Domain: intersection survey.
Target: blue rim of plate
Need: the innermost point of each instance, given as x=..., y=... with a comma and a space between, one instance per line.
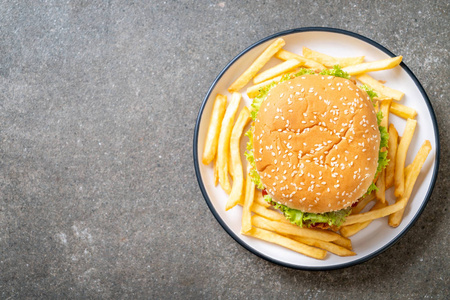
x=331, y=267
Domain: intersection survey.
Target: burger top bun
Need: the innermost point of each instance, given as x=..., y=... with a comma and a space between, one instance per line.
x=316, y=143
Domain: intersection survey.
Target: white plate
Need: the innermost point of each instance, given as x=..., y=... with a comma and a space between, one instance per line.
x=378, y=236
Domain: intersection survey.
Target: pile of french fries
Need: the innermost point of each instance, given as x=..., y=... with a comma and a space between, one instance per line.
x=259, y=219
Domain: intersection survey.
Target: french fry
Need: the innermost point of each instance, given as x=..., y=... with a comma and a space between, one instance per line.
x=286, y=55
x=408, y=169
x=212, y=137
x=235, y=139
x=379, y=88
x=403, y=111
x=257, y=65
x=279, y=69
x=260, y=202
x=392, y=153
x=411, y=177
x=399, y=178
x=230, y=165
x=235, y=158
x=224, y=142
x=375, y=214
x=274, y=238
x=259, y=198
x=363, y=203
x=216, y=172
x=253, y=91
x=381, y=98
x=343, y=242
x=291, y=229
x=330, y=61
x=330, y=247
x=384, y=107
x=350, y=230
x=380, y=194
x=378, y=65
x=268, y=213
x=249, y=196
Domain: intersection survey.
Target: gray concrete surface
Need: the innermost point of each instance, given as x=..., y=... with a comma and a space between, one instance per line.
x=98, y=195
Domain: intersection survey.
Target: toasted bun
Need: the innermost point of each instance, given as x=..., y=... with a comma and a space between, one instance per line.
x=316, y=143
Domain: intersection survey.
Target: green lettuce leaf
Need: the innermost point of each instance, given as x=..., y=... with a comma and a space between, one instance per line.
x=379, y=117
x=304, y=219
x=251, y=159
x=382, y=157
x=383, y=161
x=372, y=94
x=303, y=71
x=336, y=72
x=371, y=188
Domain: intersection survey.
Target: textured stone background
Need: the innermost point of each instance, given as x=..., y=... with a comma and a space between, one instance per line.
x=98, y=195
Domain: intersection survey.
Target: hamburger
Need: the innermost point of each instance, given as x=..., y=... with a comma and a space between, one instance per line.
x=315, y=146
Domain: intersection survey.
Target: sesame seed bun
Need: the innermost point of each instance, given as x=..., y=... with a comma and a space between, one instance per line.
x=316, y=143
